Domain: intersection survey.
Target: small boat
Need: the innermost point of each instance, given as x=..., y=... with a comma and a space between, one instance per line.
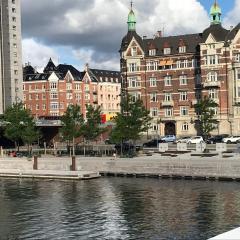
x=231, y=235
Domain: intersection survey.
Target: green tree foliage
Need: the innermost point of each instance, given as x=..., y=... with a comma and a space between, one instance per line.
x=92, y=126
x=133, y=120
x=72, y=122
x=206, y=116
x=20, y=125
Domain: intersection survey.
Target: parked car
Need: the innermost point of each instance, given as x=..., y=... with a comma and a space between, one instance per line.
x=183, y=140
x=196, y=139
x=216, y=139
x=169, y=138
x=152, y=143
x=232, y=139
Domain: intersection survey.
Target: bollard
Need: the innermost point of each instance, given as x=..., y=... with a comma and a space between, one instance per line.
x=35, y=163
x=73, y=168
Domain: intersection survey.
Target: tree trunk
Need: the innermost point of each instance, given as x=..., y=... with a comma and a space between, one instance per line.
x=73, y=147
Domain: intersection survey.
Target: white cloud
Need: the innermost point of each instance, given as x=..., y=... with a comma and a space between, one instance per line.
x=176, y=17
x=37, y=54
x=100, y=25
x=87, y=56
x=233, y=17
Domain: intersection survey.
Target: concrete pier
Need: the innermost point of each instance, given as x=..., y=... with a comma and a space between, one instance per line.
x=182, y=166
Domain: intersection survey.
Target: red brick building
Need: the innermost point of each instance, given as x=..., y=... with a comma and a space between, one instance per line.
x=49, y=93
x=170, y=74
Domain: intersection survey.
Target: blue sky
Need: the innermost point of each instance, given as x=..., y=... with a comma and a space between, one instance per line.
x=78, y=31
x=226, y=5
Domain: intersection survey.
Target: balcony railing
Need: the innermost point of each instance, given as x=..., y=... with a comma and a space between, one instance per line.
x=167, y=104
x=212, y=84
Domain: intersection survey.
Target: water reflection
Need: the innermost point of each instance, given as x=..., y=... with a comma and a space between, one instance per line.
x=117, y=208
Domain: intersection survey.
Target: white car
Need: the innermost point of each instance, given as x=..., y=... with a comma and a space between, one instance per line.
x=196, y=139
x=183, y=140
x=232, y=139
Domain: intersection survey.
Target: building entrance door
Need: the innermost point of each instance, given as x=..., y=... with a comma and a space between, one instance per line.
x=170, y=128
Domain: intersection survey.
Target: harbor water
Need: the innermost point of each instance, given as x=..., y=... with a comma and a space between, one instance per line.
x=117, y=208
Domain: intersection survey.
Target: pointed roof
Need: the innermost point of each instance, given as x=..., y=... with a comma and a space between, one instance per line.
x=218, y=32
x=50, y=67
x=131, y=20
x=128, y=38
x=215, y=13
x=64, y=68
x=215, y=9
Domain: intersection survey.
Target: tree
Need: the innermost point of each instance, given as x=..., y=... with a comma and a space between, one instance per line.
x=19, y=124
x=72, y=122
x=206, y=122
x=133, y=120
x=31, y=134
x=92, y=126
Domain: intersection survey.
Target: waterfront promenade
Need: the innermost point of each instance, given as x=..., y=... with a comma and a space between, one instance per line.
x=174, y=166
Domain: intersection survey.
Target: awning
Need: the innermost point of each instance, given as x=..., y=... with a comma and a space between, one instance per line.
x=170, y=62
x=163, y=63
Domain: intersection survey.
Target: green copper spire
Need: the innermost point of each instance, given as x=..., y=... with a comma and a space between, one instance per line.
x=215, y=13
x=131, y=20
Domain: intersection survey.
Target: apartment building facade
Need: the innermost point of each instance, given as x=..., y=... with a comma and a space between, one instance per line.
x=171, y=74
x=48, y=94
x=10, y=54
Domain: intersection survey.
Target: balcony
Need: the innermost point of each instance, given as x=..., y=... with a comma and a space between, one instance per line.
x=167, y=103
x=212, y=84
x=195, y=101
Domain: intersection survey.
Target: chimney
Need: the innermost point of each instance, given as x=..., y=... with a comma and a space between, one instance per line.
x=159, y=34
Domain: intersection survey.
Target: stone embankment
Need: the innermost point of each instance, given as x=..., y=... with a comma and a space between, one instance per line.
x=186, y=166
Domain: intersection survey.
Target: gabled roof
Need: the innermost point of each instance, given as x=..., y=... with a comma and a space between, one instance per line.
x=64, y=68
x=128, y=38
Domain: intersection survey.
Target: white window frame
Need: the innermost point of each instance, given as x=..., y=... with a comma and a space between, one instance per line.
x=168, y=97
x=153, y=97
x=168, y=112
x=183, y=80
x=133, y=51
x=212, y=76
x=182, y=49
x=167, y=51
x=185, y=127
x=153, y=81
x=168, y=80
x=183, y=96
x=213, y=93
x=184, y=111
x=152, y=52
x=133, y=82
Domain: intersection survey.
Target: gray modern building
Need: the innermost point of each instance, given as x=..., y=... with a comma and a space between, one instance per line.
x=10, y=53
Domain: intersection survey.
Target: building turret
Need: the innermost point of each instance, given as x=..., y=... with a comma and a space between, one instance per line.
x=215, y=13
x=131, y=20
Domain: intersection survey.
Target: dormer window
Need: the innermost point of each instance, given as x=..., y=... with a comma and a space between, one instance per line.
x=134, y=51
x=152, y=52
x=167, y=51
x=182, y=49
